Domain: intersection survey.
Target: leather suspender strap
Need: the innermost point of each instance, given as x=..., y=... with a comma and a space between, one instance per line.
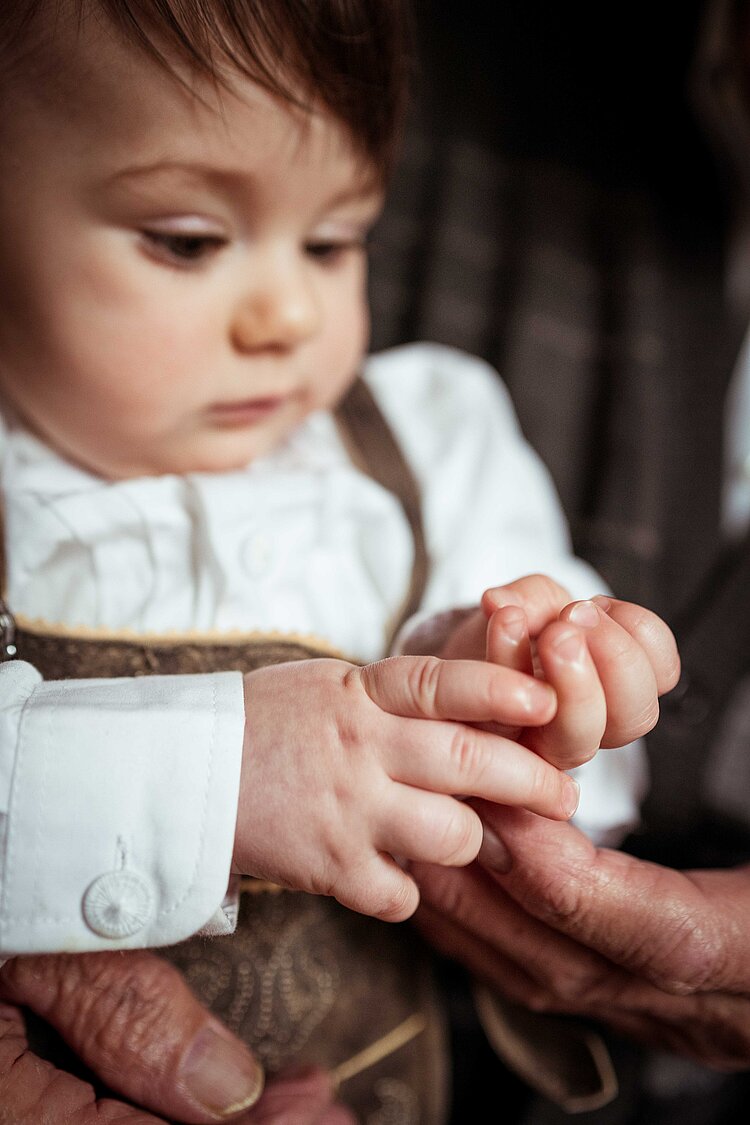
x=373, y=447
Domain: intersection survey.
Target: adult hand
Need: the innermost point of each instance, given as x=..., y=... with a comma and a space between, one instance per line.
x=558, y=925
x=132, y=1019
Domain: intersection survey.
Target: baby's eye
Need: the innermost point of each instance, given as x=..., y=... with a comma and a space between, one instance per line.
x=330, y=252
x=183, y=249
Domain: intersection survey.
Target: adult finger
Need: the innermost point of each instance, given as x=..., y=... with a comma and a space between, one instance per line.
x=135, y=1023
x=652, y=634
x=33, y=1091
x=551, y=971
x=683, y=931
x=425, y=687
x=480, y=959
x=575, y=733
x=625, y=672
x=467, y=919
x=712, y=1028
x=540, y=597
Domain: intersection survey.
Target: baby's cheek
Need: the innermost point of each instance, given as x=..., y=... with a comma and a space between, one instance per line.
x=341, y=359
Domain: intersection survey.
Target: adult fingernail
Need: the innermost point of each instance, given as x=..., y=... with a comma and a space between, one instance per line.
x=570, y=646
x=584, y=614
x=221, y=1074
x=493, y=853
x=604, y=603
x=571, y=796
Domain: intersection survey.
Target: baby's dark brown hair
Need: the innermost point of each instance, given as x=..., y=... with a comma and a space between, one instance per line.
x=349, y=57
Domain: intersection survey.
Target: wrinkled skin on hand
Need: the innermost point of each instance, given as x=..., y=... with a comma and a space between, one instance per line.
x=131, y=1018
x=558, y=925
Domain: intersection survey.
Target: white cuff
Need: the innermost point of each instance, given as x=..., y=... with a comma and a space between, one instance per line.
x=122, y=810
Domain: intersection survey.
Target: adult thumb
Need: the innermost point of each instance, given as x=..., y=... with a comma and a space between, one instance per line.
x=132, y=1019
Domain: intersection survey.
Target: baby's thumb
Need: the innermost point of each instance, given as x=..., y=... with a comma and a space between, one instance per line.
x=132, y=1019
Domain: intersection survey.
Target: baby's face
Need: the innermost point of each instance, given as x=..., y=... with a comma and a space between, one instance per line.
x=181, y=282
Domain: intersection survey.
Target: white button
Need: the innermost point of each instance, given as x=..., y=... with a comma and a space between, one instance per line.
x=117, y=904
x=257, y=555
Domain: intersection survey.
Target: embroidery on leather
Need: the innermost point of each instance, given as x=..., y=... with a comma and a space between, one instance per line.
x=280, y=979
x=398, y=1104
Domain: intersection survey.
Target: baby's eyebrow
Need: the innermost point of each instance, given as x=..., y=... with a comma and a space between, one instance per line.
x=367, y=189
x=177, y=167
x=230, y=183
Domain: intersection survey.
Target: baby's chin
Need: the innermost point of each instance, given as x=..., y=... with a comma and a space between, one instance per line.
x=227, y=456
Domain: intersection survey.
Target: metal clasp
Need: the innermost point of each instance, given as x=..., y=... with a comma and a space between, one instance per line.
x=7, y=633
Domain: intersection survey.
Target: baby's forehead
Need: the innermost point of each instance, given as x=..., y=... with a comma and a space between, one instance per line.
x=85, y=77
x=349, y=57
x=111, y=110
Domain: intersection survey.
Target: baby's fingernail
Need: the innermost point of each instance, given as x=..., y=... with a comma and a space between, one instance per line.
x=604, y=603
x=221, y=1074
x=571, y=797
x=584, y=614
x=493, y=853
x=570, y=646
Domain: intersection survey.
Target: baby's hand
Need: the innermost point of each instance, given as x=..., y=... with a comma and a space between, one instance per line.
x=608, y=661
x=346, y=767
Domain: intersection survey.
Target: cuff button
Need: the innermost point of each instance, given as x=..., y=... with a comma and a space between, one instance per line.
x=117, y=904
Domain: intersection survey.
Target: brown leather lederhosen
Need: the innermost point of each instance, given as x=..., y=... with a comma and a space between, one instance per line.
x=302, y=980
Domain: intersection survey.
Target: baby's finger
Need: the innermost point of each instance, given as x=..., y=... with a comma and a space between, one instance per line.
x=652, y=634
x=508, y=642
x=467, y=691
x=575, y=733
x=430, y=828
x=461, y=760
x=538, y=596
x=625, y=673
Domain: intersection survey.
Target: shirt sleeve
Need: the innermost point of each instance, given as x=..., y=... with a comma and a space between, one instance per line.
x=118, y=803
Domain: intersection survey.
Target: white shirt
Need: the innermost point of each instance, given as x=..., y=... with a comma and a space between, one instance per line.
x=118, y=798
